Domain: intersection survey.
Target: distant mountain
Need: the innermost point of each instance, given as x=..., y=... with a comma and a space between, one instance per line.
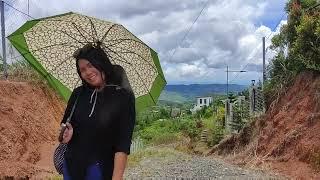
x=172, y=96
x=184, y=93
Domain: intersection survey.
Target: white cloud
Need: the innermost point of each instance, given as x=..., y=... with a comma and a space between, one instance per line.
x=225, y=33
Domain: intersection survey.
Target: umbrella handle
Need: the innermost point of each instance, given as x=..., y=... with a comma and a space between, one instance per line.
x=63, y=128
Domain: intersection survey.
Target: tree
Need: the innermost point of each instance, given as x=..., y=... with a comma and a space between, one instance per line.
x=297, y=47
x=164, y=113
x=240, y=116
x=244, y=93
x=307, y=45
x=232, y=97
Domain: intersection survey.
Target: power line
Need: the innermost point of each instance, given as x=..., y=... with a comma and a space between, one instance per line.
x=19, y=10
x=313, y=7
x=258, y=47
x=186, y=34
x=14, y=19
x=276, y=26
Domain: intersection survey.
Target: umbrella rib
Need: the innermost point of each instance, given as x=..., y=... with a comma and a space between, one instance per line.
x=58, y=65
x=155, y=70
x=141, y=58
x=131, y=52
x=50, y=29
x=75, y=26
x=72, y=24
x=126, y=39
x=122, y=40
x=121, y=58
x=93, y=29
x=29, y=52
x=146, y=89
x=79, y=79
x=72, y=37
x=105, y=35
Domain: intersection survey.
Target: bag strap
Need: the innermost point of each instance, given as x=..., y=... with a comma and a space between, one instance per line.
x=73, y=108
x=63, y=128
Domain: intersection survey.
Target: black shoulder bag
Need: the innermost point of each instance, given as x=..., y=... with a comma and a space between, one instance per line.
x=58, y=157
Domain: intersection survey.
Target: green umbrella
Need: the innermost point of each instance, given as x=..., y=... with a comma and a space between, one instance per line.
x=49, y=43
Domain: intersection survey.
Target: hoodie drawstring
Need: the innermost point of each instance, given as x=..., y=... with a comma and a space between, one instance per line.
x=95, y=92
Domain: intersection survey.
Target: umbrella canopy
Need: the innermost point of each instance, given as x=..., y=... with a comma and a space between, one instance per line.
x=49, y=43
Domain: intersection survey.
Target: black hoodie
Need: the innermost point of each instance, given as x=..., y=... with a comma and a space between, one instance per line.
x=103, y=123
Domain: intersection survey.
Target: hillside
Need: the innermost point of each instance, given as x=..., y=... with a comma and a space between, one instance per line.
x=29, y=125
x=287, y=138
x=171, y=96
x=184, y=93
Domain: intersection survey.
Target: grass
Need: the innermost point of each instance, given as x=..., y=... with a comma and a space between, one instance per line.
x=315, y=161
x=135, y=158
x=55, y=177
x=22, y=71
x=208, y=123
x=166, y=138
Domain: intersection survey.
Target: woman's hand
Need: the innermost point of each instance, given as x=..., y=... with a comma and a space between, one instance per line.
x=67, y=135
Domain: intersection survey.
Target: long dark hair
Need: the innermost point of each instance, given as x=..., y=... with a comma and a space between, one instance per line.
x=98, y=58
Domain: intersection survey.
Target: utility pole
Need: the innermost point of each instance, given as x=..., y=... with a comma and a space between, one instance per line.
x=227, y=82
x=228, y=117
x=5, y=73
x=228, y=78
x=264, y=77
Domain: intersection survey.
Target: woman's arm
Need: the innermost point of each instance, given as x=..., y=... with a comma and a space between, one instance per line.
x=120, y=162
x=123, y=135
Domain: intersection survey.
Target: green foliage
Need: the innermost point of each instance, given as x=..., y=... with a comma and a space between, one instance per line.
x=188, y=112
x=164, y=113
x=168, y=130
x=281, y=73
x=156, y=129
x=240, y=116
x=217, y=135
x=244, y=93
x=307, y=45
x=297, y=47
x=205, y=112
x=190, y=128
x=172, y=97
x=232, y=97
x=218, y=127
x=154, y=126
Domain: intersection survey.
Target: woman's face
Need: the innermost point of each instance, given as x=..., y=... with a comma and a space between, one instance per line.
x=91, y=74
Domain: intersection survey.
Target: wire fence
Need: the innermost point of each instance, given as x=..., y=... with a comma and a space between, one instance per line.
x=136, y=145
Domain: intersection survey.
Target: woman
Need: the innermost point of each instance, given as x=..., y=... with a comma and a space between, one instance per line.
x=100, y=132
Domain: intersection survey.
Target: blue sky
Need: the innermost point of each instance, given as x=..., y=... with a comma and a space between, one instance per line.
x=274, y=11
x=226, y=33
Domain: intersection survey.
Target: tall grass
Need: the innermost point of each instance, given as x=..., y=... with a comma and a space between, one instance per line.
x=22, y=71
